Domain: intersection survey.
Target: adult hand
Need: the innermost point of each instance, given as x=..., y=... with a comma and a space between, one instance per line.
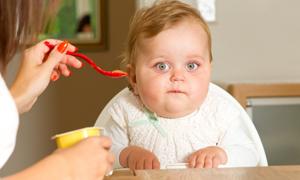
x=38, y=66
x=135, y=157
x=89, y=159
x=209, y=157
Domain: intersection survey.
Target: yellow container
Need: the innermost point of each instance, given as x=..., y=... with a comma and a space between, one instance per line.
x=70, y=138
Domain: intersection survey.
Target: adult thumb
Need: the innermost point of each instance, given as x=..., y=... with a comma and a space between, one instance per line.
x=56, y=55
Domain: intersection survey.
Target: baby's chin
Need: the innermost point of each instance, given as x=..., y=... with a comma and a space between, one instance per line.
x=173, y=108
x=175, y=112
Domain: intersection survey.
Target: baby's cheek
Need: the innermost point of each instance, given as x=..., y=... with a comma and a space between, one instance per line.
x=150, y=98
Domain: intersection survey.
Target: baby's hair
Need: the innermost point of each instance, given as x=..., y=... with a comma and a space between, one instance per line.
x=150, y=21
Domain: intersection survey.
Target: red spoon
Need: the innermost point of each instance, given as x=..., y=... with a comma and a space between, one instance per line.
x=113, y=74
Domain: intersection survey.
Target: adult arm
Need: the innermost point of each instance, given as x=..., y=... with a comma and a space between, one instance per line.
x=89, y=159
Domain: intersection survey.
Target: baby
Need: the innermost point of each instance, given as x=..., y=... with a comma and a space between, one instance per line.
x=172, y=113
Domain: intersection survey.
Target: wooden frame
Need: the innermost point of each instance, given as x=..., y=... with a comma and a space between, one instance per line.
x=102, y=43
x=243, y=91
x=69, y=21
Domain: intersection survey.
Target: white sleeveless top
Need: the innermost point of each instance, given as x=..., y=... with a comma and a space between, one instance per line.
x=217, y=122
x=9, y=122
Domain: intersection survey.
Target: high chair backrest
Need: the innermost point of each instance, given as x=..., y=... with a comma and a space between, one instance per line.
x=104, y=116
x=247, y=123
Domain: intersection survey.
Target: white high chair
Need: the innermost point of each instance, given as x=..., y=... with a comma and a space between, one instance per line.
x=247, y=123
x=104, y=117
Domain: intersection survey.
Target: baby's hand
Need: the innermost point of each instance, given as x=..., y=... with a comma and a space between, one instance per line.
x=135, y=157
x=210, y=157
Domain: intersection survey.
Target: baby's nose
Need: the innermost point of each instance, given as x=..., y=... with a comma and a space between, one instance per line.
x=177, y=75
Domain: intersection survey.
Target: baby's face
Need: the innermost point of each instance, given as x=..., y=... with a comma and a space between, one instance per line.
x=173, y=70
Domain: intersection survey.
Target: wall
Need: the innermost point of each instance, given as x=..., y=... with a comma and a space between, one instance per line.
x=256, y=41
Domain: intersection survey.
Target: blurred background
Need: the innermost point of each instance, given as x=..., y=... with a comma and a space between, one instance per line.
x=253, y=41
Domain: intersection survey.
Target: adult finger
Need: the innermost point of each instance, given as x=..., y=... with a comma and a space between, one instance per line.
x=74, y=62
x=110, y=158
x=56, y=55
x=55, y=75
x=55, y=42
x=64, y=70
x=105, y=142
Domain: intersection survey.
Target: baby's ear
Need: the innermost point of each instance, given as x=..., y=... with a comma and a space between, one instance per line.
x=132, y=78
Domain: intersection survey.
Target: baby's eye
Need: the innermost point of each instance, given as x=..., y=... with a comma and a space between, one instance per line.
x=192, y=66
x=162, y=67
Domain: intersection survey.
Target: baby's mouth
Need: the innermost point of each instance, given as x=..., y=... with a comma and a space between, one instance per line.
x=176, y=91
